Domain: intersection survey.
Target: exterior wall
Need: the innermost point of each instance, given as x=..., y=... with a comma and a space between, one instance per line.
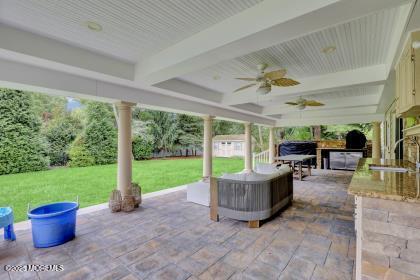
x=222, y=148
x=388, y=237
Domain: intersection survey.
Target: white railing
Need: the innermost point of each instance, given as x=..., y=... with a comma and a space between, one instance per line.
x=262, y=157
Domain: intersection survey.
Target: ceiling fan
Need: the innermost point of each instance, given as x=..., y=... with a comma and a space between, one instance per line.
x=301, y=103
x=266, y=80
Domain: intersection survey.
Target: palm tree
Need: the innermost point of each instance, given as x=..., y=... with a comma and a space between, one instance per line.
x=163, y=127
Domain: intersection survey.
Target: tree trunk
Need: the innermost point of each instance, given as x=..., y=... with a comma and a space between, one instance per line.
x=261, y=144
x=316, y=132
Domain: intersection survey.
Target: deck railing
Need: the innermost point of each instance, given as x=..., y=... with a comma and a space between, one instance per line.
x=262, y=157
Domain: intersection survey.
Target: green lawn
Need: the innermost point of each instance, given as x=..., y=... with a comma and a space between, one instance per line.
x=93, y=184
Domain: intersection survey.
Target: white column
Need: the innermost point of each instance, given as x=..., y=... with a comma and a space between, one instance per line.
x=271, y=146
x=207, y=148
x=376, y=140
x=124, y=148
x=248, y=148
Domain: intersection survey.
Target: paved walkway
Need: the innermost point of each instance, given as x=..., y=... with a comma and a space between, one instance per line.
x=170, y=238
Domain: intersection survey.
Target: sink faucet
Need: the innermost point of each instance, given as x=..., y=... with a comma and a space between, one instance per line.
x=413, y=140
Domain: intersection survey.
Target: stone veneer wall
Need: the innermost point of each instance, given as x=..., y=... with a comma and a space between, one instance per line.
x=410, y=150
x=390, y=239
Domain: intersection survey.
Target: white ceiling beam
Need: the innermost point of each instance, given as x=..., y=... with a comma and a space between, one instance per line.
x=30, y=77
x=266, y=24
x=367, y=76
x=333, y=103
x=250, y=107
x=330, y=120
x=190, y=89
x=19, y=41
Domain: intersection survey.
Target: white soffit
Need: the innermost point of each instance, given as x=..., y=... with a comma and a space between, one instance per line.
x=359, y=43
x=132, y=29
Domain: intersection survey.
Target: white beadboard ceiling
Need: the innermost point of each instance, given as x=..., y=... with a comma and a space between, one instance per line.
x=332, y=96
x=359, y=43
x=132, y=29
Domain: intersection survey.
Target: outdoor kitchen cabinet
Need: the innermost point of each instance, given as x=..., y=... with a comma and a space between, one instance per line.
x=408, y=79
x=345, y=160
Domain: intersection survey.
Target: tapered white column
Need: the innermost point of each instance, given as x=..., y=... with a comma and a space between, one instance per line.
x=124, y=148
x=271, y=146
x=248, y=148
x=376, y=140
x=207, y=148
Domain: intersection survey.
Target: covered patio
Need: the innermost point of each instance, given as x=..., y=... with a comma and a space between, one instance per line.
x=170, y=238
x=270, y=63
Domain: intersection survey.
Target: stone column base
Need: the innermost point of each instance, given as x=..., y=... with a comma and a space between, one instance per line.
x=115, y=200
x=128, y=203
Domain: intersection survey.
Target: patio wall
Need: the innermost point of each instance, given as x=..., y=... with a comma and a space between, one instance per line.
x=390, y=232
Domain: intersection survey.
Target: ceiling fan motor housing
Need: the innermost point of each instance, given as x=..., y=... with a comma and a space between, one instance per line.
x=301, y=106
x=264, y=88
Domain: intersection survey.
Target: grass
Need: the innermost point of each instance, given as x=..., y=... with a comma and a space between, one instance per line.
x=93, y=184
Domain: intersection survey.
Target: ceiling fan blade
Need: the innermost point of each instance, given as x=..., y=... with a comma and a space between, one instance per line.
x=284, y=82
x=246, y=79
x=313, y=103
x=244, y=87
x=275, y=75
x=291, y=103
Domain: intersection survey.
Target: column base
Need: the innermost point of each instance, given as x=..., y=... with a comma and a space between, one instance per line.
x=128, y=203
x=115, y=201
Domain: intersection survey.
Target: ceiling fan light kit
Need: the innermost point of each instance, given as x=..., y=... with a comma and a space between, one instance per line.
x=264, y=88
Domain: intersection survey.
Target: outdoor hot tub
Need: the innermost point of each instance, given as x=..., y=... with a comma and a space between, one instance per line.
x=53, y=224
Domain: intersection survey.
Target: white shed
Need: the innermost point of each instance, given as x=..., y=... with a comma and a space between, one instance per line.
x=230, y=145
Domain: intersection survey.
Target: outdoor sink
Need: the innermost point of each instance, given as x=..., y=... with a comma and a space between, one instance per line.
x=388, y=168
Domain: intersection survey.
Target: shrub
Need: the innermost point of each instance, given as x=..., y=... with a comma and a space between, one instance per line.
x=22, y=148
x=142, y=147
x=60, y=133
x=100, y=135
x=79, y=154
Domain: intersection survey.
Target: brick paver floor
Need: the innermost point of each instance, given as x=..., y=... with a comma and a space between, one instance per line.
x=170, y=238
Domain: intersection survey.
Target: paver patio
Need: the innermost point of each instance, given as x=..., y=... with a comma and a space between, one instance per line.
x=170, y=238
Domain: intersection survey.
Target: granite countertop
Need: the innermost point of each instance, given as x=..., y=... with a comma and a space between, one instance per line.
x=339, y=148
x=385, y=184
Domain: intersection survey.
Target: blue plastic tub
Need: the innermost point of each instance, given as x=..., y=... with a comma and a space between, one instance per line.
x=53, y=224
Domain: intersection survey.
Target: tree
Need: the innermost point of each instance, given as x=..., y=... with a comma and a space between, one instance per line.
x=142, y=147
x=340, y=131
x=60, y=133
x=190, y=132
x=100, y=135
x=297, y=133
x=22, y=148
x=222, y=127
x=79, y=154
x=47, y=106
x=163, y=127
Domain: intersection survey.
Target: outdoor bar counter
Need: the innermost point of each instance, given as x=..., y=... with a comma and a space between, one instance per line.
x=387, y=220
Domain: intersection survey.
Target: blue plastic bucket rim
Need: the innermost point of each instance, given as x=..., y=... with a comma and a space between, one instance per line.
x=35, y=216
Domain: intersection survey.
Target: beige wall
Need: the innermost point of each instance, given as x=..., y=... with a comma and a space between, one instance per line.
x=225, y=150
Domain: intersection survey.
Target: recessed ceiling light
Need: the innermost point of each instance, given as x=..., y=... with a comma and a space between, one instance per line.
x=94, y=26
x=329, y=49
